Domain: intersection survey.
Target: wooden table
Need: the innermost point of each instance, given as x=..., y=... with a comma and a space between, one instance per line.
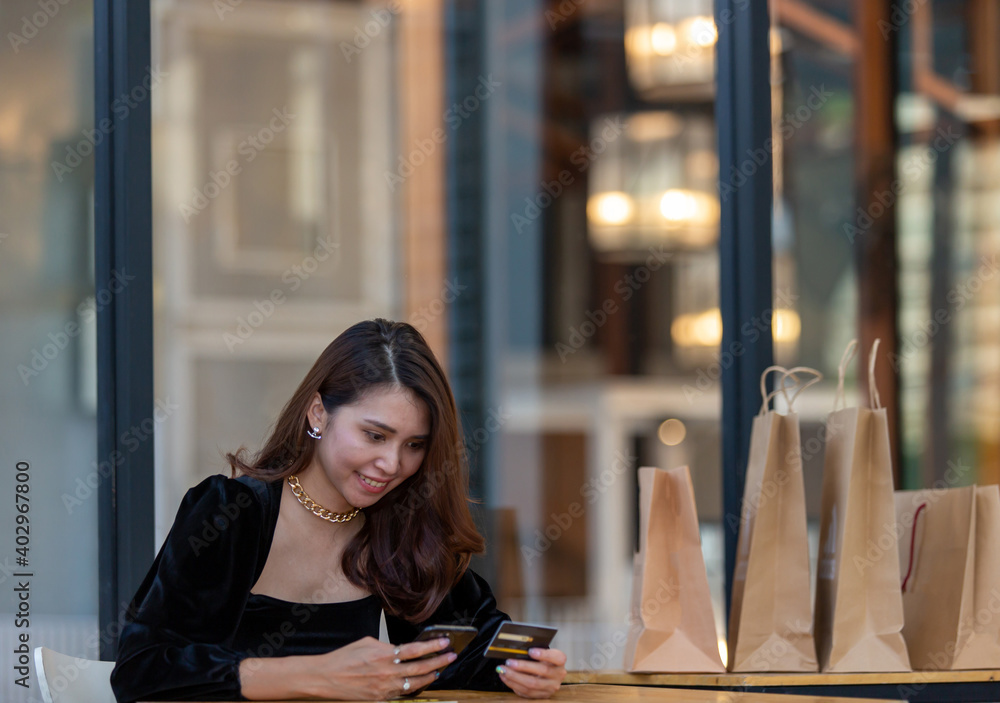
x=922, y=686
x=596, y=693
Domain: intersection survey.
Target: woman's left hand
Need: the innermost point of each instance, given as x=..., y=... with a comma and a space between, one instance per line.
x=535, y=679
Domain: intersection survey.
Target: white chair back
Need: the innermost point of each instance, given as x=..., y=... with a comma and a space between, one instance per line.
x=66, y=679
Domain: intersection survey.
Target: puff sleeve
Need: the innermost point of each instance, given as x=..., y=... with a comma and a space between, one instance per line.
x=176, y=639
x=470, y=602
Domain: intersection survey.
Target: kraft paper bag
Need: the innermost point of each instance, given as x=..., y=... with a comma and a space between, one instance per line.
x=672, y=626
x=950, y=551
x=770, y=619
x=859, y=609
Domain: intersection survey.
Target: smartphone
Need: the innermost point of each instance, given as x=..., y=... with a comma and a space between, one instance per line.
x=513, y=640
x=458, y=635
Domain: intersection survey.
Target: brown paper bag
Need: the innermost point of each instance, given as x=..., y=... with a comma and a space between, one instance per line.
x=950, y=549
x=770, y=619
x=859, y=609
x=672, y=627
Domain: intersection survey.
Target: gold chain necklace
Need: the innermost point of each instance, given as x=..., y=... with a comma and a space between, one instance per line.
x=314, y=507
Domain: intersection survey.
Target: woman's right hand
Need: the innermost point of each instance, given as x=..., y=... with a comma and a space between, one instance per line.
x=372, y=670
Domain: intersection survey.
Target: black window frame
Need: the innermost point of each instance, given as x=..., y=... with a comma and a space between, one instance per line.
x=743, y=124
x=123, y=244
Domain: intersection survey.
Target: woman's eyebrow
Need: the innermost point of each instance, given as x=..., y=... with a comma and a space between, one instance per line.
x=391, y=430
x=380, y=425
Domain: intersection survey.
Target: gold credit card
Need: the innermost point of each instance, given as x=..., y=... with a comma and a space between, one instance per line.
x=513, y=640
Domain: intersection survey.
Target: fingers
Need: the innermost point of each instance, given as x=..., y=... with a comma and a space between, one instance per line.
x=427, y=666
x=535, y=679
x=528, y=667
x=552, y=656
x=527, y=685
x=417, y=683
x=540, y=669
x=419, y=649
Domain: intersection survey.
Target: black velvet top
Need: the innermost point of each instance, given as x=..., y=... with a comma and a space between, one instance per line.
x=194, y=619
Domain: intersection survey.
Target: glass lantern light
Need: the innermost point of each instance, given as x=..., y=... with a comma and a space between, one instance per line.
x=670, y=48
x=654, y=186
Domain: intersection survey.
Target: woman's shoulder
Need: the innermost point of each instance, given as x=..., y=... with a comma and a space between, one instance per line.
x=224, y=501
x=242, y=491
x=221, y=515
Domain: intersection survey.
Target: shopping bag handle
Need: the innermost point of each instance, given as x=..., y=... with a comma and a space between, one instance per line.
x=913, y=542
x=849, y=353
x=817, y=376
x=780, y=389
x=798, y=384
x=873, y=398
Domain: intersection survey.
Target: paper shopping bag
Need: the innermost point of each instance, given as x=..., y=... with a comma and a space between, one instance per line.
x=672, y=627
x=859, y=609
x=950, y=550
x=770, y=619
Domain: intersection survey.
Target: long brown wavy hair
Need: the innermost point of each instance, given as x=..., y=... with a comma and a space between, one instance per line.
x=417, y=540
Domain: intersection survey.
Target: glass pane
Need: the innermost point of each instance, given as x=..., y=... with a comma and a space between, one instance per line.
x=534, y=187
x=604, y=216
x=943, y=198
x=47, y=339
x=814, y=275
x=535, y=191
x=273, y=225
x=946, y=116
x=948, y=220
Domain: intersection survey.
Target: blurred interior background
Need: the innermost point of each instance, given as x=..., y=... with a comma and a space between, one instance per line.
x=535, y=186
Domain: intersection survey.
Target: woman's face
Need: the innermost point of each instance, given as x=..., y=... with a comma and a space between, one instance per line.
x=368, y=448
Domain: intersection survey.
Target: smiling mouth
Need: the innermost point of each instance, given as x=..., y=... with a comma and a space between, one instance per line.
x=373, y=483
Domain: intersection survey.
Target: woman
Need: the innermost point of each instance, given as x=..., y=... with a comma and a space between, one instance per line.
x=271, y=585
